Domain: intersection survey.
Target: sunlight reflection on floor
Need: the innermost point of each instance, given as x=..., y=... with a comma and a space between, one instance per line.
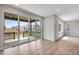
x=65, y=38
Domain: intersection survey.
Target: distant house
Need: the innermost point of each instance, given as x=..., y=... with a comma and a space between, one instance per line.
x=10, y=30
x=16, y=29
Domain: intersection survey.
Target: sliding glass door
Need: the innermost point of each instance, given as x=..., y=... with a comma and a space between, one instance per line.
x=35, y=29
x=19, y=30
x=11, y=30
x=24, y=24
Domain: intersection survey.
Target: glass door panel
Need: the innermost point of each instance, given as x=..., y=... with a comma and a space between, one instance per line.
x=32, y=30
x=38, y=29
x=11, y=30
x=23, y=29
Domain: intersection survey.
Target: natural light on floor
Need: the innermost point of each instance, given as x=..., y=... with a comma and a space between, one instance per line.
x=65, y=38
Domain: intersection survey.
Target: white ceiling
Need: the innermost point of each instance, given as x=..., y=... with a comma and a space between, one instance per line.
x=66, y=12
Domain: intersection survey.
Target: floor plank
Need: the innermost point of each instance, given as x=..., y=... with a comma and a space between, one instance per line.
x=64, y=46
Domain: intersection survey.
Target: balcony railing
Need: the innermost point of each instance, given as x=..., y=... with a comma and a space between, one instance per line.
x=14, y=35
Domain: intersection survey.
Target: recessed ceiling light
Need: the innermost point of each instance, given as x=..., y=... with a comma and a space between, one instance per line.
x=17, y=4
x=57, y=10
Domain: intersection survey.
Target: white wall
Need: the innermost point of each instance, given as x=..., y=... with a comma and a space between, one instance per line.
x=1, y=30
x=56, y=28
x=48, y=28
x=51, y=28
x=74, y=28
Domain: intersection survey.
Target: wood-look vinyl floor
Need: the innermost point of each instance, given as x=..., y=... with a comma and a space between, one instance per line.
x=64, y=46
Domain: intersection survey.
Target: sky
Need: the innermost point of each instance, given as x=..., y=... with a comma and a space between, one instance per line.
x=12, y=23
